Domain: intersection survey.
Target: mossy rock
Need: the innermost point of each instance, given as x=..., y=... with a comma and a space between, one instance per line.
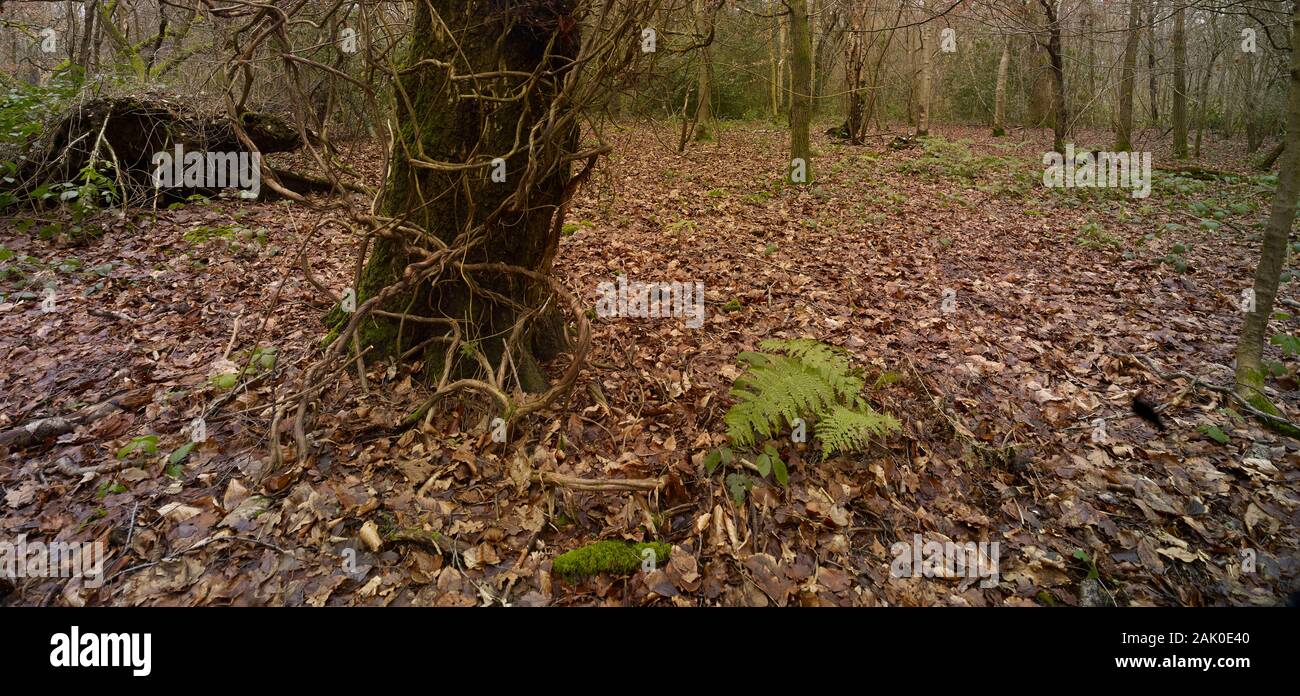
x=614, y=557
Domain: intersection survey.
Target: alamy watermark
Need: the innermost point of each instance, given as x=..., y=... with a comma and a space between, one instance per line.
x=946, y=559
x=77, y=649
x=1130, y=170
x=56, y=559
x=646, y=300
x=212, y=170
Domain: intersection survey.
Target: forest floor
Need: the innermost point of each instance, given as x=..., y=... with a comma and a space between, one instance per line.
x=1005, y=318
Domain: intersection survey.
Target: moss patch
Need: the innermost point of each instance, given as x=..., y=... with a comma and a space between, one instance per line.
x=615, y=557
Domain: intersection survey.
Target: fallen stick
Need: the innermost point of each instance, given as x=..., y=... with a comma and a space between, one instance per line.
x=438, y=542
x=582, y=484
x=54, y=426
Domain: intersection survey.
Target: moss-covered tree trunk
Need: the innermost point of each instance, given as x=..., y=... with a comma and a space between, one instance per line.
x=458, y=101
x=1250, y=345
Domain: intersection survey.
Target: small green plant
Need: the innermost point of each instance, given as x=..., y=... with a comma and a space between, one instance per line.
x=146, y=444
x=206, y=233
x=682, y=227
x=108, y=488
x=1214, y=433
x=1093, y=236
x=1289, y=344
x=944, y=159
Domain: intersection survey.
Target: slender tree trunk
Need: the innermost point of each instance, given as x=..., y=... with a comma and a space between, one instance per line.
x=1180, y=83
x=1265, y=163
x=800, y=92
x=1124, y=120
x=1091, y=28
x=1060, y=128
x=782, y=91
x=1000, y=91
x=1203, y=99
x=703, y=96
x=1039, y=108
x=774, y=86
x=812, y=64
x=1153, y=77
x=1254, y=136
x=1250, y=345
x=923, y=88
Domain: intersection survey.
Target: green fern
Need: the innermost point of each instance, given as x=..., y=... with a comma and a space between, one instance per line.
x=845, y=430
x=808, y=380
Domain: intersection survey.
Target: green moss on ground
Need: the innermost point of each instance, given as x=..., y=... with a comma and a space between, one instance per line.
x=614, y=557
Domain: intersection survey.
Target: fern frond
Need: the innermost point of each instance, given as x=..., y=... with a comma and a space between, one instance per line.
x=841, y=429
x=829, y=362
x=802, y=379
x=772, y=395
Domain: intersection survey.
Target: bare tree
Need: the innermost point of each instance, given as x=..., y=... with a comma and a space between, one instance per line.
x=1250, y=344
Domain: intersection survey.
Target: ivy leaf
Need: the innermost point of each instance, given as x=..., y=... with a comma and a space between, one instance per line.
x=1214, y=433
x=739, y=485
x=782, y=475
x=146, y=443
x=712, y=460
x=181, y=453
x=226, y=380
x=1289, y=344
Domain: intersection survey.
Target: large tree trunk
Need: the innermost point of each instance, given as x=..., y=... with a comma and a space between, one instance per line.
x=1124, y=120
x=1180, y=84
x=514, y=222
x=1250, y=345
x=800, y=92
x=1000, y=92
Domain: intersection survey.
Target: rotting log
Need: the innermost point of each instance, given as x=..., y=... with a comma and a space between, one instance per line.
x=119, y=137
